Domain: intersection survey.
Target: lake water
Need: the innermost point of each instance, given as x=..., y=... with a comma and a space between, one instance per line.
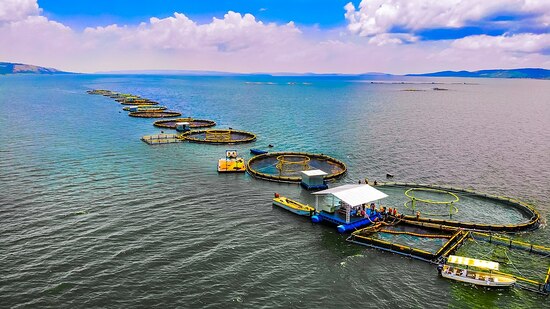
x=90, y=216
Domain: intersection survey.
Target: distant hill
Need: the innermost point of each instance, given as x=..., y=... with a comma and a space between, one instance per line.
x=21, y=68
x=511, y=73
x=171, y=72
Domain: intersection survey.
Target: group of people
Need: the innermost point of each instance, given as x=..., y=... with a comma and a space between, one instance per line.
x=367, y=182
x=366, y=209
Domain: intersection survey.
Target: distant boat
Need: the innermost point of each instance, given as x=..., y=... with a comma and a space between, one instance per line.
x=482, y=277
x=257, y=151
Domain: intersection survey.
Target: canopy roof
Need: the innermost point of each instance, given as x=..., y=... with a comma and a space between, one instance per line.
x=354, y=194
x=454, y=259
x=314, y=173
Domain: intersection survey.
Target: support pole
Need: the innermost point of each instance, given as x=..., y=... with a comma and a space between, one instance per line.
x=546, y=287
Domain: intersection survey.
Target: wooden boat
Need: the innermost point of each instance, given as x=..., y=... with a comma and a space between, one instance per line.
x=478, y=272
x=231, y=163
x=293, y=206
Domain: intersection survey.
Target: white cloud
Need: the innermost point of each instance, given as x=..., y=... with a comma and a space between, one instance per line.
x=232, y=33
x=392, y=38
x=242, y=43
x=381, y=16
x=525, y=42
x=13, y=10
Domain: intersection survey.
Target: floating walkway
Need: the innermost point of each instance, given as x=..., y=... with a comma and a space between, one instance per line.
x=367, y=237
x=159, y=139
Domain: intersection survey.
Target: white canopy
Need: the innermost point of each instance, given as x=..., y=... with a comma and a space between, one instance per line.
x=355, y=194
x=314, y=173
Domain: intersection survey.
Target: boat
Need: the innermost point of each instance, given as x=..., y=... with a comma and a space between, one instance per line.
x=293, y=206
x=257, y=151
x=478, y=272
x=231, y=163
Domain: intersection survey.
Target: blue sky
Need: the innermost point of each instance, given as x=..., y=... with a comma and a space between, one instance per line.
x=394, y=36
x=325, y=13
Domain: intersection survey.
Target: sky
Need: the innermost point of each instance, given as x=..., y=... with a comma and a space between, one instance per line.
x=322, y=36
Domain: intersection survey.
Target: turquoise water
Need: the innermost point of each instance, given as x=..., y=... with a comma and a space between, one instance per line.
x=90, y=216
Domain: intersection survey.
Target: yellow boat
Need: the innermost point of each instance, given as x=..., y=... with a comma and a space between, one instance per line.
x=231, y=163
x=293, y=206
x=478, y=272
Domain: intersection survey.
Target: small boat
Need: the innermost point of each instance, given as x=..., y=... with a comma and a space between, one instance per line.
x=478, y=272
x=231, y=163
x=293, y=206
x=257, y=151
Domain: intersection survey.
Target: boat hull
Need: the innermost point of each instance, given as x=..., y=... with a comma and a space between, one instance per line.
x=478, y=278
x=293, y=206
x=257, y=151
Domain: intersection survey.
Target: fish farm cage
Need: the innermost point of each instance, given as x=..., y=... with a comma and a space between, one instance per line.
x=433, y=243
x=154, y=114
x=219, y=136
x=193, y=123
x=287, y=166
x=138, y=102
x=461, y=208
x=145, y=108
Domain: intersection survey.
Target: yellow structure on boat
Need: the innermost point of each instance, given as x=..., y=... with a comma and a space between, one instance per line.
x=231, y=163
x=293, y=206
x=478, y=272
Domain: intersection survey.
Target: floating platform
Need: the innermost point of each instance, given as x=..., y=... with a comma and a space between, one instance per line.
x=231, y=163
x=287, y=166
x=193, y=123
x=152, y=114
x=342, y=224
x=219, y=136
x=158, y=139
x=232, y=166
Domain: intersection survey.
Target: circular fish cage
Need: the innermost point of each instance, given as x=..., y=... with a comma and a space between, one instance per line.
x=138, y=102
x=286, y=166
x=193, y=123
x=152, y=114
x=424, y=203
x=478, y=211
x=146, y=108
x=219, y=136
x=100, y=92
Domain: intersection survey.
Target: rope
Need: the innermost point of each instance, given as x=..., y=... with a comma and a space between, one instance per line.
x=519, y=272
